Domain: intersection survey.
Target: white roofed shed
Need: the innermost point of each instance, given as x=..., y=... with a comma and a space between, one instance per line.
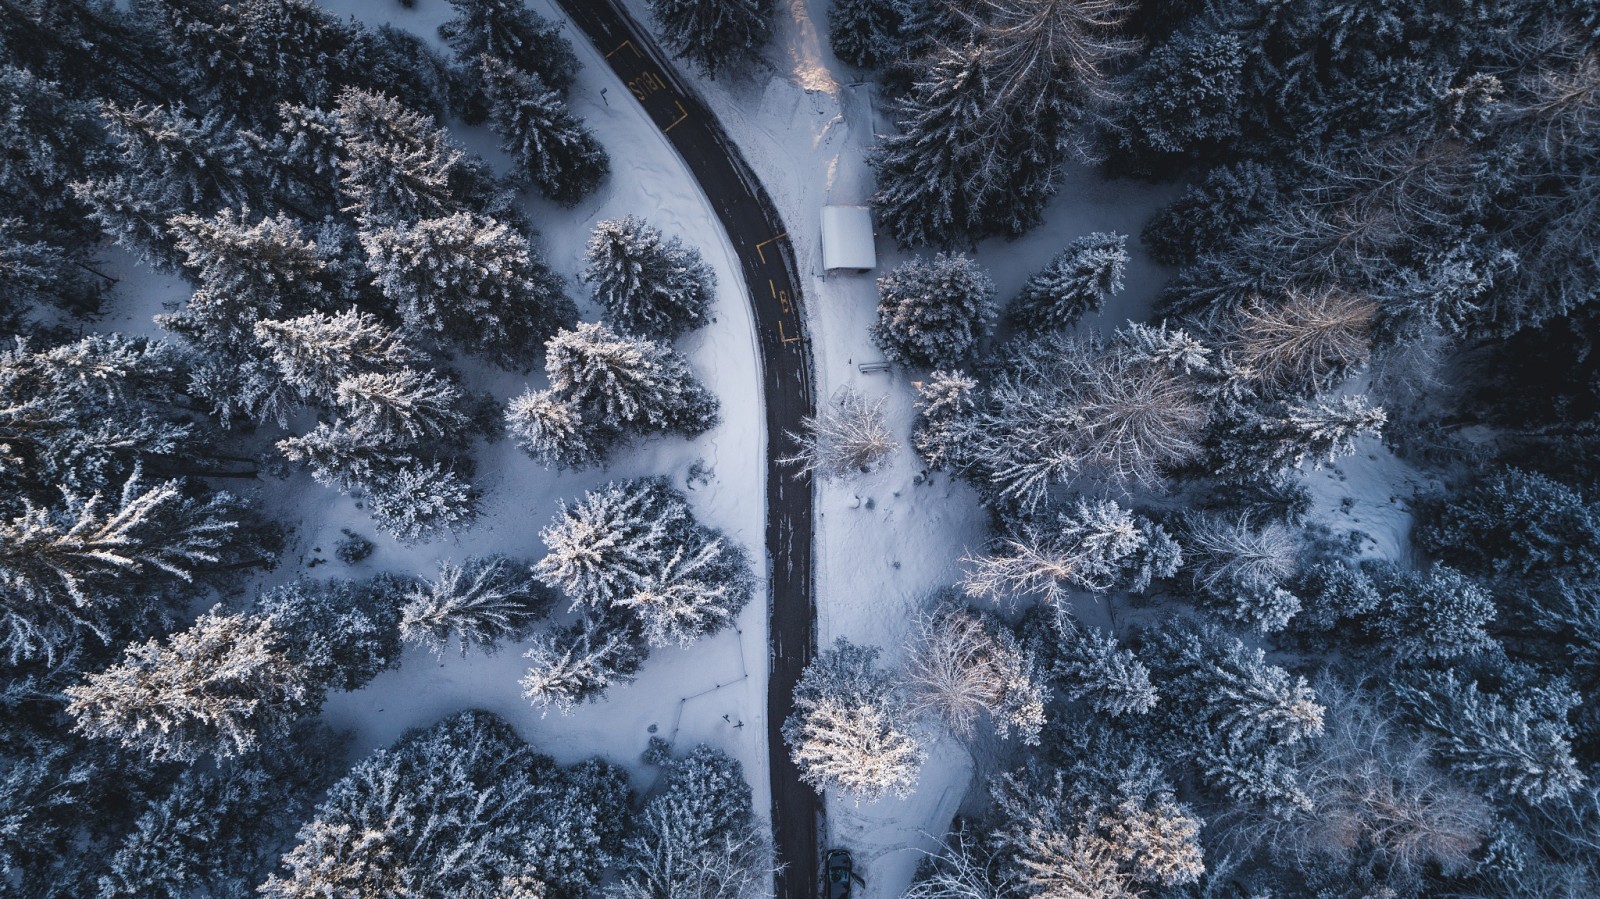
x=847, y=239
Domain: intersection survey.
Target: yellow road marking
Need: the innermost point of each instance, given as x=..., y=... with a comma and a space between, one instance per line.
x=783, y=338
x=774, y=288
x=764, y=243
x=679, y=120
x=629, y=44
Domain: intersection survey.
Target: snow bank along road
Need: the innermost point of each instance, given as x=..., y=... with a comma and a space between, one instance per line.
x=765, y=255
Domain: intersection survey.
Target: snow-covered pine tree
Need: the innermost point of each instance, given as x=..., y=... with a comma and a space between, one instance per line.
x=849, y=436
x=647, y=284
x=479, y=604
x=1438, y=615
x=1077, y=281
x=1510, y=523
x=698, y=836
x=630, y=383
x=1186, y=95
x=168, y=164
x=1273, y=440
x=66, y=569
x=471, y=280
x=578, y=663
x=510, y=32
x=965, y=666
x=605, y=546
x=1519, y=747
x=849, y=731
x=422, y=500
x=553, y=431
x=318, y=351
x=1093, y=545
x=1088, y=665
x=865, y=32
x=958, y=170
x=342, y=459
x=946, y=403
x=49, y=140
x=214, y=689
x=1215, y=681
x=552, y=147
x=39, y=273
x=342, y=632
x=700, y=582
x=1242, y=568
x=933, y=312
x=401, y=406
x=714, y=33
x=396, y=165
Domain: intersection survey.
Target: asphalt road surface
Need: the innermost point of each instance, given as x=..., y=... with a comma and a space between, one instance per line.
x=767, y=259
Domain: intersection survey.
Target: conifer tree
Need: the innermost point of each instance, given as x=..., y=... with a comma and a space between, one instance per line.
x=865, y=32
x=946, y=403
x=1216, y=681
x=396, y=165
x=216, y=688
x=1089, y=665
x=578, y=663
x=713, y=33
x=1271, y=441
x=511, y=33
x=471, y=280
x=555, y=150
x=553, y=431
x=932, y=313
x=628, y=384
x=1432, y=616
x=1079, y=280
x=403, y=405
x=423, y=500
x=342, y=632
x=49, y=141
x=479, y=603
x=647, y=284
x=1091, y=545
x=318, y=351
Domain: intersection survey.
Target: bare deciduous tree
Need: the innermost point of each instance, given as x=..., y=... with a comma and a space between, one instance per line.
x=963, y=668
x=1306, y=340
x=849, y=437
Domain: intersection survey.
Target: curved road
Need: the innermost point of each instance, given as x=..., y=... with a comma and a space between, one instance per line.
x=759, y=238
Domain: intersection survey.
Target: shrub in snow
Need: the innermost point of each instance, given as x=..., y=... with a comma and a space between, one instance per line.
x=635, y=548
x=965, y=666
x=848, y=437
x=551, y=146
x=713, y=33
x=353, y=548
x=933, y=312
x=214, y=689
x=850, y=730
x=578, y=663
x=1078, y=280
x=479, y=604
x=698, y=837
x=464, y=808
x=647, y=284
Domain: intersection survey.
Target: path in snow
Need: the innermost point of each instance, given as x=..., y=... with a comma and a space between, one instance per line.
x=762, y=245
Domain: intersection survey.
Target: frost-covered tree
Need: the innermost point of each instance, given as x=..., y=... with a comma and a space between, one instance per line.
x=649, y=285
x=422, y=501
x=318, y=351
x=714, y=33
x=214, y=689
x=847, y=437
x=511, y=33
x=342, y=632
x=865, y=32
x=578, y=663
x=1124, y=412
x=1214, y=680
x=636, y=547
x=698, y=838
x=1077, y=281
x=1088, y=664
x=946, y=404
x=965, y=666
x=1431, y=616
x=933, y=312
x=1304, y=343
x=1230, y=198
x=395, y=164
x=1514, y=523
x=967, y=865
x=464, y=808
x=604, y=386
x=403, y=405
x=1186, y=96
x=1242, y=567
x=1091, y=545
x=341, y=459
x=50, y=140
x=551, y=146
x=469, y=279
x=849, y=731
x=552, y=430
x=480, y=604
x=67, y=571
x=959, y=169
x=1272, y=441
x=1517, y=747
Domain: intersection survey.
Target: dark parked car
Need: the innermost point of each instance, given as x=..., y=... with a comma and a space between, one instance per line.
x=838, y=874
